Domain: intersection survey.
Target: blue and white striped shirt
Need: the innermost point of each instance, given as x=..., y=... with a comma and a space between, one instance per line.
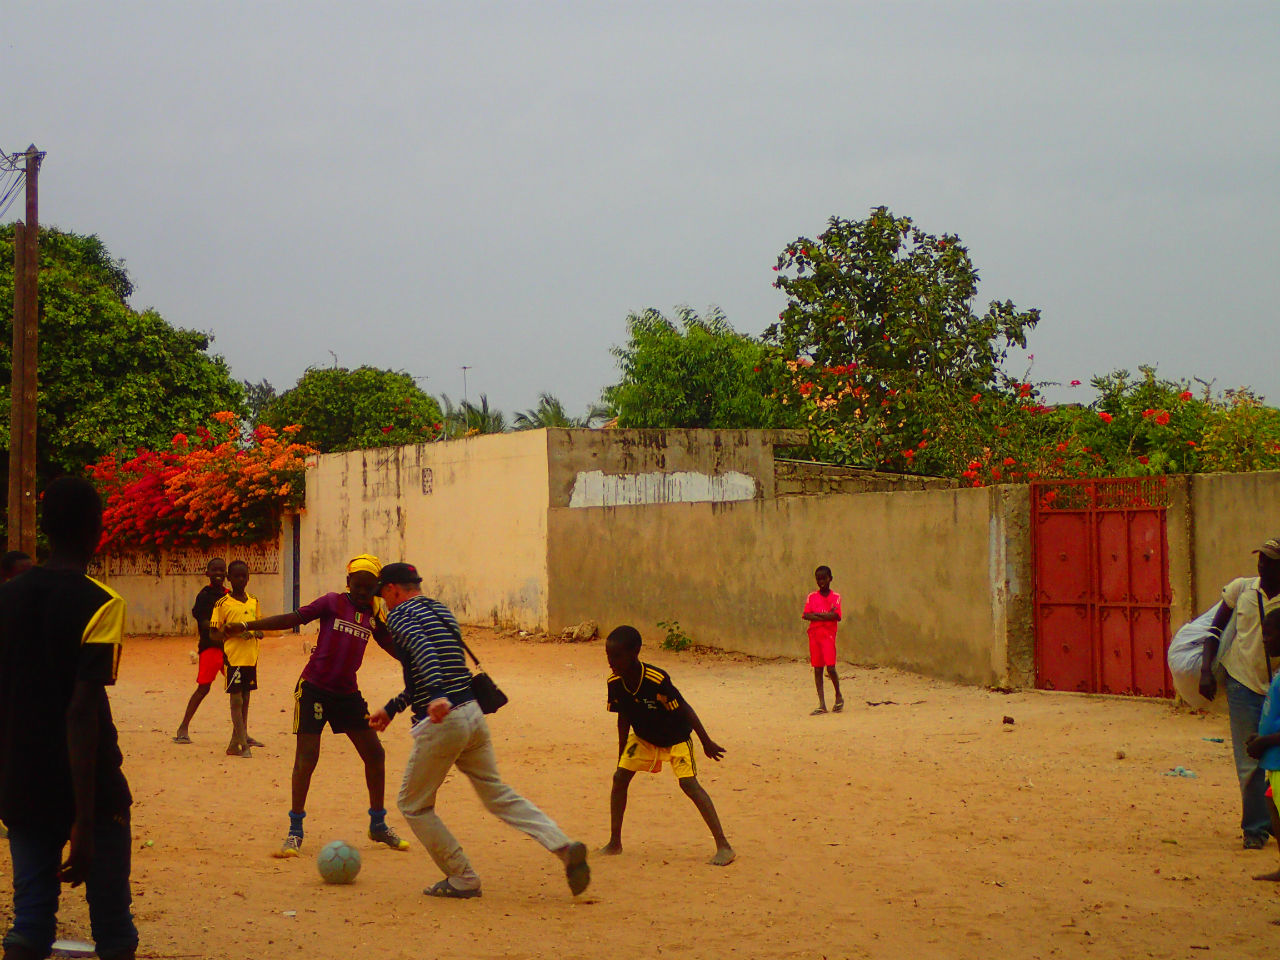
x=428, y=642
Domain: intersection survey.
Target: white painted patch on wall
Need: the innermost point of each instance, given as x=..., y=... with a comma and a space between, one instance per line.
x=593, y=488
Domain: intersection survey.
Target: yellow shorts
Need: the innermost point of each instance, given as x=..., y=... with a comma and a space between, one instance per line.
x=1273, y=779
x=644, y=757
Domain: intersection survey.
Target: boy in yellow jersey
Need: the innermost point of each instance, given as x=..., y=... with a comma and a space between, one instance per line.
x=241, y=650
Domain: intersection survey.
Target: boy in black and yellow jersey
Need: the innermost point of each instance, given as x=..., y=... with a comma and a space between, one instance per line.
x=60, y=762
x=654, y=726
x=241, y=651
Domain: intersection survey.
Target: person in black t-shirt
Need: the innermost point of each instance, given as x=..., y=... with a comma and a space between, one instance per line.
x=60, y=763
x=209, y=649
x=654, y=726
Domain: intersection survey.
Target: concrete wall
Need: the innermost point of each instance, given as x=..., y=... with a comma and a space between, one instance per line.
x=802, y=478
x=660, y=466
x=1233, y=513
x=932, y=581
x=472, y=514
x=159, y=587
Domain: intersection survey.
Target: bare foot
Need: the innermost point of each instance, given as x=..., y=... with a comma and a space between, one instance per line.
x=724, y=856
x=611, y=849
x=234, y=751
x=1273, y=877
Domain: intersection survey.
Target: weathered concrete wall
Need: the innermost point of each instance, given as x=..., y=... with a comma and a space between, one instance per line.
x=802, y=478
x=1180, y=536
x=931, y=581
x=159, y=587
x=1233, y=514
x=591, y=468
x=472, y=514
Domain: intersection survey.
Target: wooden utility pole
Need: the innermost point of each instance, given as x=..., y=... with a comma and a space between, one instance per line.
x=26, y=355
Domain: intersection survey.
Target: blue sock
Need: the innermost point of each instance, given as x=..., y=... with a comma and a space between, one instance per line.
x=377, y=820
x=295, y=823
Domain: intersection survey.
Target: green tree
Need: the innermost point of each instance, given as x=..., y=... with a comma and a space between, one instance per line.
x=110, y=377
x=879, y=337
x=699, y=373
x=468, y=419
x=257, y=397
x=340, y=409
x=549, y=412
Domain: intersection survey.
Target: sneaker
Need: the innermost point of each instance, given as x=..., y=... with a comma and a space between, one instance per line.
x=1254, y=842
x=388, y=836
x=291, y=847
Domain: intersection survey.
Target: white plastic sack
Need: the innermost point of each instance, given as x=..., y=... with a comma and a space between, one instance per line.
x=1186, y=655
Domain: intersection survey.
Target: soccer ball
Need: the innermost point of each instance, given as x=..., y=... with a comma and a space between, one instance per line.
x=339, y=862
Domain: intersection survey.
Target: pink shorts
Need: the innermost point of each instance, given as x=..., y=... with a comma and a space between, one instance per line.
x=210, y=665
x=822, y=651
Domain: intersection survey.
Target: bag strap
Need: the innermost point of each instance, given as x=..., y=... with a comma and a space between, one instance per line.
x=1262, y=613
x=456, y=631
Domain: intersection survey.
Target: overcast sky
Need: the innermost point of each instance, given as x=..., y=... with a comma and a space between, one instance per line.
x=424, y=186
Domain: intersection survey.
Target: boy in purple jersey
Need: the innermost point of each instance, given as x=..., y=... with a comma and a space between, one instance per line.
x=327, y=692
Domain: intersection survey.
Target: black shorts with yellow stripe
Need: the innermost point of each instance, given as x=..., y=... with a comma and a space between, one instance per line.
x=314, y=706
x=241, y=679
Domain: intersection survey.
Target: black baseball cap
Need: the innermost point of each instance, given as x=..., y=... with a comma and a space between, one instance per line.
x=398, y=573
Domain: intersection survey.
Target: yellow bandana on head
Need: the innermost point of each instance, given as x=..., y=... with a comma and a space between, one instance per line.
x=366, y=562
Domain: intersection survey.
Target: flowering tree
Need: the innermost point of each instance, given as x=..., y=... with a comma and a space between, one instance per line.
x=879, y=340
x=217, y=486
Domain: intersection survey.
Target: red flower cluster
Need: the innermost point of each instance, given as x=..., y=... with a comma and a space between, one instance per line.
x=222, y=488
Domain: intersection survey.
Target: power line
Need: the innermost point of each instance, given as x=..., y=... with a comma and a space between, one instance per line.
x=11, y=192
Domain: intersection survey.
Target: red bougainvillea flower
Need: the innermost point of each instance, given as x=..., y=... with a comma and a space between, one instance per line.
x=1024, y=389
x=1104, y=416
x=1075, y=383
x=386, y=429
x=995, y=473
x=1191, y=443
x=806, y=389
x=922, y=444
x=1009, y=461
x=755, y=369
x=1185, y=395
x=1143, y=460
x=976, y=398
x=179, y=439
x=1162, y=417
x=1061, y=448
x=1148, y=413
x=908, y=454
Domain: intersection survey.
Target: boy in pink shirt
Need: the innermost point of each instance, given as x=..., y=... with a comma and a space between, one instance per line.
x=822, y=610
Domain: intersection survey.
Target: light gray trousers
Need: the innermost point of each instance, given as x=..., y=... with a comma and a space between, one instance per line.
x=462, y=740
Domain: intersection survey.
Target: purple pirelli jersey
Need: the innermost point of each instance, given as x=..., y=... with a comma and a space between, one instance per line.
x=344, y=633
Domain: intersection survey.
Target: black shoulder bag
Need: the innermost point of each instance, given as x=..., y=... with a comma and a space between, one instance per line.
x=486, y=692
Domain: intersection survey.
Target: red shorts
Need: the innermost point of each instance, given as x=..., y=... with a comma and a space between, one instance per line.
x=822, y=651
x=210, y=665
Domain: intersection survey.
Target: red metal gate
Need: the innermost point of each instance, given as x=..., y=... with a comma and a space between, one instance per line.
x=1101, y=585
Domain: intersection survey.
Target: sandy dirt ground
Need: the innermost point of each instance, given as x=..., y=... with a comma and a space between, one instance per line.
x=925, y=826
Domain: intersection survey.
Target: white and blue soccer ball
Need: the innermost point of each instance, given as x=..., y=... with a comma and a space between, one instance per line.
x=339, y=862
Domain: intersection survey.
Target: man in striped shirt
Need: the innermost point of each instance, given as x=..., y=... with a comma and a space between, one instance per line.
x=449, y=730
